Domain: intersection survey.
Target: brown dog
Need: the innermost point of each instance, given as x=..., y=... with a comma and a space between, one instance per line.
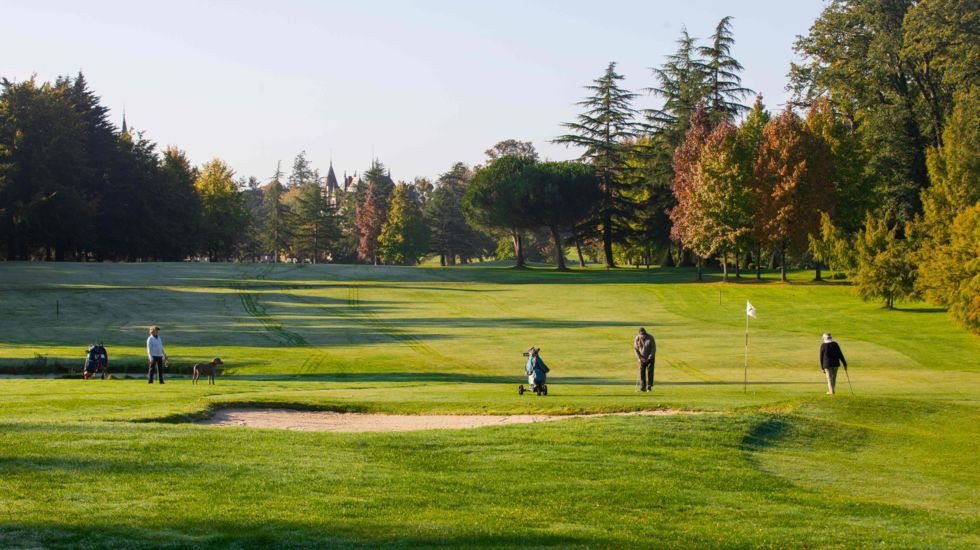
x=206, y=368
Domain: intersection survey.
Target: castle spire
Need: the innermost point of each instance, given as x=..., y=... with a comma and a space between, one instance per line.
x=124, y=129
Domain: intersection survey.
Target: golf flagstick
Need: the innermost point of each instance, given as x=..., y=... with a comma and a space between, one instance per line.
x=749, y=310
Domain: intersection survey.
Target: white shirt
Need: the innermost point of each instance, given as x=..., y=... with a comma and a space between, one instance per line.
x=154, y=347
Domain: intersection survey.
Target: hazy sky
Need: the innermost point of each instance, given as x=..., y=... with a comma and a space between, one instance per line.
x=418, y=84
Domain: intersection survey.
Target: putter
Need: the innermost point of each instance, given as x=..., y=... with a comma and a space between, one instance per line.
x=848, y=380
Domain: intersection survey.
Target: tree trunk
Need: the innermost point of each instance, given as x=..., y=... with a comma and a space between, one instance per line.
x=607, y=249
x=758, y=261
x=578, y=249
x=782, y=261
x=700, y=277
x=738, y=266
x=559, y=253
x=724, y=266
x=518, y=249
x=442, y=259
x=817, y=265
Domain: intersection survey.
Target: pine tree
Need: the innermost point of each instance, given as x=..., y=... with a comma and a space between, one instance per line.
x=606, y=130
x=498, y=198
x=562, y=193
x=314, y=226
x=722, y=84
x=450, y=233
x=681, y=83
x=276, y=219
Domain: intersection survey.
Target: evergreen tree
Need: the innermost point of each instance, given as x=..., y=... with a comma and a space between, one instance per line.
x=885, y=267
x=681, y=83
x=276, y=220
x=562, y=194
x=404, y=238
x=498, y=198
x=606, y=130
x=315, y=226
x=722, y=84
x=450, y=233
x=42, y=210
x=179, y=206
x=302, y=171
x=947, y=272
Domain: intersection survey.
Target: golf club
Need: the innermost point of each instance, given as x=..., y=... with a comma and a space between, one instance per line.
x=848, y=380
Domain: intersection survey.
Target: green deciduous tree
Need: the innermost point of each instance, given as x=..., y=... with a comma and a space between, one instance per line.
x=404, y=238
x=791, y=184
x=225, y=212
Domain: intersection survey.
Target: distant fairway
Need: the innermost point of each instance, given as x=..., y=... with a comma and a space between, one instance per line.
x=784, y=465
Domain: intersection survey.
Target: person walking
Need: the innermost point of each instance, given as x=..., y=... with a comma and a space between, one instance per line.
x=645, y=348
x=154, y=350
x=831, y=358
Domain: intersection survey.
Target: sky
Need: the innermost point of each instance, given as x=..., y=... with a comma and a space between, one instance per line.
x=419, y=85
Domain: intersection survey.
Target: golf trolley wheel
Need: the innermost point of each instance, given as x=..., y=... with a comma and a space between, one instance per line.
x=520, y=389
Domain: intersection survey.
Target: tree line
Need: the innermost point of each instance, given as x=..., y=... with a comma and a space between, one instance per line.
x=869, y=172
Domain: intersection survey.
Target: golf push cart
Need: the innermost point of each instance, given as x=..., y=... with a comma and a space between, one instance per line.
x=537, y=373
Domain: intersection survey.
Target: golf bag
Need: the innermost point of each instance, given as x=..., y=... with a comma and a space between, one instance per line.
x=96, y=362
x=537, y=375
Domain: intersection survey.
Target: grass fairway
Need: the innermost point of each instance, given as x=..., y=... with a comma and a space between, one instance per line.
x=116, y=463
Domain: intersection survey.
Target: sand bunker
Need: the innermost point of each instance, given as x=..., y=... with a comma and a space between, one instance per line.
x=323, y=421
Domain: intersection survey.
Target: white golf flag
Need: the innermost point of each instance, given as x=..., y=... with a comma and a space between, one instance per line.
x=749, y=309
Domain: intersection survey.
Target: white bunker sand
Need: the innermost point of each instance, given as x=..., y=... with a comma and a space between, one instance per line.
x=324, y=421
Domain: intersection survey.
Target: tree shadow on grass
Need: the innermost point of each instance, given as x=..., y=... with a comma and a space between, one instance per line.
x=268, y=533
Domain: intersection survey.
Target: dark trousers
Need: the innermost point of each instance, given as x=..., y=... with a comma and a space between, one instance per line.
x=646, y=372
x=157, y=363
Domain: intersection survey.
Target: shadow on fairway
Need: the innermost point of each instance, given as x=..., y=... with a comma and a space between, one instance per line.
x=270, y=534
x=767, y=433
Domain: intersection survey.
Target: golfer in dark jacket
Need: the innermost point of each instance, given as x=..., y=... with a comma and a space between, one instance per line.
x=831, y=358
x=645, y=348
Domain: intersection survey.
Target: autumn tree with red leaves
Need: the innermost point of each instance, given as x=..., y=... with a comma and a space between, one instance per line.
x=371, y=217
x=792, y=185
